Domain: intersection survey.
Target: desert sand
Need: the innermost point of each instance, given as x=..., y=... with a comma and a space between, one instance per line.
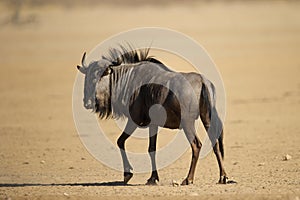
x=255, y=46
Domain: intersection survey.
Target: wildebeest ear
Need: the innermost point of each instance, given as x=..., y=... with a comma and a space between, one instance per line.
x=81, y=69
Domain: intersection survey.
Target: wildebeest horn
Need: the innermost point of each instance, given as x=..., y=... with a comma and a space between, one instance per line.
x=83, y=60
x=82, y=68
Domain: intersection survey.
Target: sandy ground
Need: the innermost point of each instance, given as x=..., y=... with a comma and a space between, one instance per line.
x=256, y=48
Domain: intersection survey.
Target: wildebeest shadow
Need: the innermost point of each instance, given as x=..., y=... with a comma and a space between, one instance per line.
x=113, y=183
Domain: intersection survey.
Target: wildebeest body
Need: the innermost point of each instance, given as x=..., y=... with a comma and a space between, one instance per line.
x=153, y=93
x=129, y=84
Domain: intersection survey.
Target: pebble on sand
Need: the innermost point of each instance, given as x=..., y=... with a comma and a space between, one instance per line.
x=287, y=157
x=175, y=183
x=66, y=194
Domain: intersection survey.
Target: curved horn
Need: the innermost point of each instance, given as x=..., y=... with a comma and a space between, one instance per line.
x=83, y=60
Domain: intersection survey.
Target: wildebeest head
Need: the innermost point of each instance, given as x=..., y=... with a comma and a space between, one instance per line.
x=93, y=73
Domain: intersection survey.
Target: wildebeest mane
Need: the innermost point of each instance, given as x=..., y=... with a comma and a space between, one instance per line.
x=129, y=55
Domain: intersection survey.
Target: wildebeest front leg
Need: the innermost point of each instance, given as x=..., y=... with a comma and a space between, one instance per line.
x=130, y=127
x=152, y=152
x=190, y=132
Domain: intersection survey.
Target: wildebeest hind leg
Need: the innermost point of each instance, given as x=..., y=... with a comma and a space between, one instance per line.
x=223, y=178
x=218, y=147
x=190, y=132
x=130, y=127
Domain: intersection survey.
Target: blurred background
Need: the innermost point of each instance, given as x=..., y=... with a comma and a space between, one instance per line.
x=255, y=45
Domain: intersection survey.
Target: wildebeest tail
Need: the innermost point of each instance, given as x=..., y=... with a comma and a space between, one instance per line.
x=221, y=144
x=209, y=114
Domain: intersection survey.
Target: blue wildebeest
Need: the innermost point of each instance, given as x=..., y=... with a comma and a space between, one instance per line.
x=127, y=82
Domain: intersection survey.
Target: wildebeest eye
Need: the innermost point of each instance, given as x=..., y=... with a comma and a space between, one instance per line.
x=96, y=73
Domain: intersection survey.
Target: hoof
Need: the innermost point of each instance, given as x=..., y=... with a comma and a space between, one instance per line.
x=187, y=182
x=223, y=180
x=152, y=181
x=127, y=177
